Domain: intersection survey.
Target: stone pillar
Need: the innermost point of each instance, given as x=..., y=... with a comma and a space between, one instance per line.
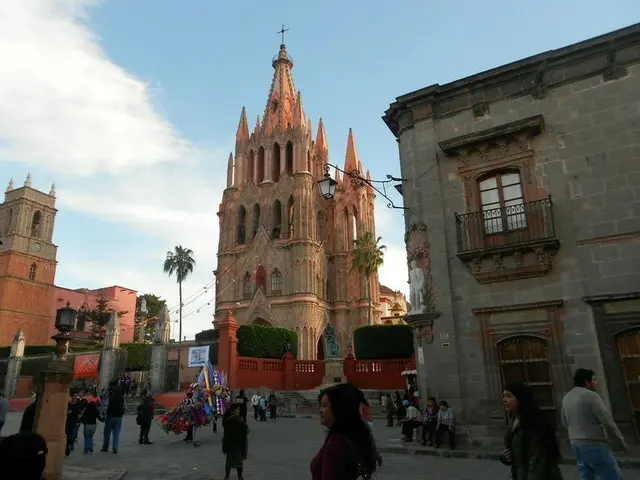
x=14, y=364
x=228, y=348
x=335, y=370
x=143, y=320
x=422, y=326
x=111, y=352
x=289, y=372
x=158, y=373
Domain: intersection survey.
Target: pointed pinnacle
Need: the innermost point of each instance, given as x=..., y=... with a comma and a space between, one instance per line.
x=242, y=135
x=351, y=161
x=321, y=137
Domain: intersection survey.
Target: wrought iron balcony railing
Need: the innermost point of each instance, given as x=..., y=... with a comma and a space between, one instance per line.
x=510, y=226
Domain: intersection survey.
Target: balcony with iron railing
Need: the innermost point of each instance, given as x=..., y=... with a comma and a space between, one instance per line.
x=512, y=230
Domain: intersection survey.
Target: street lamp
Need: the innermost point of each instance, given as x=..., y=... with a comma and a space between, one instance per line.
x=65, y=322
x=328, y=185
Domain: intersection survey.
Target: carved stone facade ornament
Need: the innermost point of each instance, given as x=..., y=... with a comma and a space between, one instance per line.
x=613, y=70
x=539, y=88
x=424, y=333
x=480, y=109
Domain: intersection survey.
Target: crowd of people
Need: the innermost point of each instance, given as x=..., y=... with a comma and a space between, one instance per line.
x=531, y=449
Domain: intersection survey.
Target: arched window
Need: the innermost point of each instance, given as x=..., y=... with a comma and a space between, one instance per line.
x=290, y=216
x=354, y=225
x=36, y=222
x=260, y=167
x=289, y=159
x=8, y=221
x=255, y=220
x=502, y=203
x=347, y=230
x=275, y=163
x=242, y=221
x=251, y=166
x=32, y=271
x=277, y=219
x=247, y=287
x=261, y=279
x=526, y=359
x=308, y=161
x=276, y=282
x=322, y=232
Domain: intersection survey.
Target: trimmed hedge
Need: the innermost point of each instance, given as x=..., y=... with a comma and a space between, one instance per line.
x=383, y=341
x=208, y=335
x=260, y=341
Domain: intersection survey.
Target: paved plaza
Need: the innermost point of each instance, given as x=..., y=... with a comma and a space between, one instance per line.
x=277, y=450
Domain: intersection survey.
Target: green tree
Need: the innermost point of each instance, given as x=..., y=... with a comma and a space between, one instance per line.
x=154, y=306
x=368, y=256
x=99, y=316
x=179, y=262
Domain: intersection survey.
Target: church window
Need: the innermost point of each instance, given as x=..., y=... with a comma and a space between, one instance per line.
x=36, y=223
x=290, y=216
x=247, y=287
x=276, y=282
x=260, y=167
x=289, y=158
x=242, y=220
x=277, y=220
x=347, y=235
x=8, y=220
x=308, y=161
x=275, y=163
x=255, y=220
x=261, y=279
x=251, y=166
x=354, y=225
x=32, y=271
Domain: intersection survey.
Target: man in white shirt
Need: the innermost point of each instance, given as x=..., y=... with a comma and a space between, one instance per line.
x=255, y=403
x=586, y=417
x=410, y=421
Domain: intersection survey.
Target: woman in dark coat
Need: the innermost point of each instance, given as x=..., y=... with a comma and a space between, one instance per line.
x=234, y=441
x=531, y=447
x=145, y=417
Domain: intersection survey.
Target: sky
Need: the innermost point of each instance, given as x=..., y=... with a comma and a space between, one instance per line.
x=131, y=108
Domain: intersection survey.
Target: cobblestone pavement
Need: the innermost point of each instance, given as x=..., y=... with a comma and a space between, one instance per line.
x=281, y=449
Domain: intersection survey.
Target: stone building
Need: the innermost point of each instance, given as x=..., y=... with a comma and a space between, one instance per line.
x=523, y=196
x=393, y=306
x=284, y=254
x=27, y=263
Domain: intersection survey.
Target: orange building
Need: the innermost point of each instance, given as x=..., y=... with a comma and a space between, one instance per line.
x=394, y=306
x=29, y=298
x=121, y=299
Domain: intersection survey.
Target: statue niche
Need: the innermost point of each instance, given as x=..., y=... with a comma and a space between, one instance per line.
x=420, y=280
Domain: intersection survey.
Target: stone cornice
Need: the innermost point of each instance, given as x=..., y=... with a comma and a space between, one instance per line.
x=532, y=125
x=605, y=55
x=522, y=306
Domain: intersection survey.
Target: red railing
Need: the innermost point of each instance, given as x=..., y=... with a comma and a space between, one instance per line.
x=308, y=374
x=377, y=374
x=260, y=372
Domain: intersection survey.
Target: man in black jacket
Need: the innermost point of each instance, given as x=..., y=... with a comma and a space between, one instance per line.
x=113, y=420
x=145, y=417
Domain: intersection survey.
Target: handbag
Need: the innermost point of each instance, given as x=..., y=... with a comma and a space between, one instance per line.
x=361, y=469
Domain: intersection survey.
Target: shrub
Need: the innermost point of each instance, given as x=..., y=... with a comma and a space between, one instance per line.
x=260, y=341
x=36, y=350
x=138, y=356
x=383, y=341
x=208, y=335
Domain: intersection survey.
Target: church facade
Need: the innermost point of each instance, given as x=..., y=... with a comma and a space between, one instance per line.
x=284, y=253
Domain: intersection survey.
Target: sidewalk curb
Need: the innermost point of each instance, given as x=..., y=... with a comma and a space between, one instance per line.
x=630, y=463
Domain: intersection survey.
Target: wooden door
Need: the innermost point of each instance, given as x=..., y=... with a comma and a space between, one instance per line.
x=629, y=353
x=526, y=359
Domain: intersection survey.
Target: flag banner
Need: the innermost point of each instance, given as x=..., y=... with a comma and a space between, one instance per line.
x=86, y=366
x=198, y=356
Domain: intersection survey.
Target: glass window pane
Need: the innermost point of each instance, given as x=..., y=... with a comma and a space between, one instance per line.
x=511, y=192
x=516, y=217
x=488, y=184
x=510, y=179
x=489, y=196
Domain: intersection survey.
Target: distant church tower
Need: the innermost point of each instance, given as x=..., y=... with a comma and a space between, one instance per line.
x=27, y=263
x=284, y=255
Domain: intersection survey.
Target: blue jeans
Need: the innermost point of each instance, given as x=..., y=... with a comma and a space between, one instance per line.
x=596, y=460
x=112, y=424
x=88, y=432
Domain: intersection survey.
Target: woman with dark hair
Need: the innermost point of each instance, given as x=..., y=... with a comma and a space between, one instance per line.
x=23, y=456
x=349, y=451
x=531, y=447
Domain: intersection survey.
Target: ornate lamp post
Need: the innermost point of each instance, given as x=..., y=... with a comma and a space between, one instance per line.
x=328, y=185
x=65, y=322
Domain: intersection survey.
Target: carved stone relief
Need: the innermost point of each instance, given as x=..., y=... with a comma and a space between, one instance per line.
x=417, y=245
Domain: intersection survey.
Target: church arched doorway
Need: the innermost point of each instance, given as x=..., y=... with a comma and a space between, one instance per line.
x=320, y=348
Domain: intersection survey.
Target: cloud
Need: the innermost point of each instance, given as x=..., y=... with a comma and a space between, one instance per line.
x=66, y=107
x=63, y=103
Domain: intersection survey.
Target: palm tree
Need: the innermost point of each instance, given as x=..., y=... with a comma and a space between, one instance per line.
x=368, y=256
x=179, y=262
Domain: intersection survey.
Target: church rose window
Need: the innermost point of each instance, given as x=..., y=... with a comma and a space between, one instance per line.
x=276, y=283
